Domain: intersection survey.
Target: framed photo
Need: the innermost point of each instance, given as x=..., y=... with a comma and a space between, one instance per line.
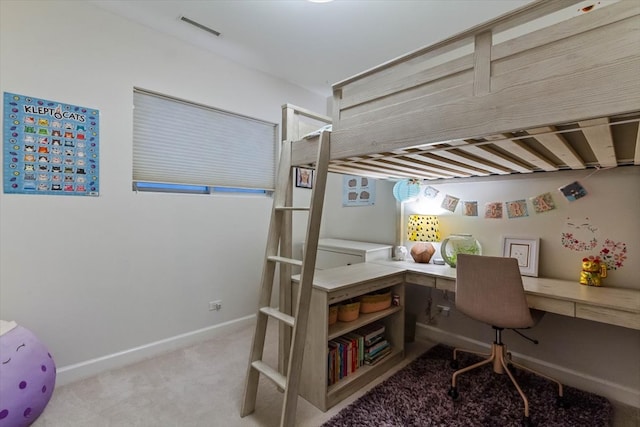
x=525, y=250
x=304, y=178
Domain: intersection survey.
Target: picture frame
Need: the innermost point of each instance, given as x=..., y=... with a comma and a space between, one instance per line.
x=525, y=250
x=304, y=178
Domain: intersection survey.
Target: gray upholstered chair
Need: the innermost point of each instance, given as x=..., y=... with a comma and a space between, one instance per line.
x=489, y=289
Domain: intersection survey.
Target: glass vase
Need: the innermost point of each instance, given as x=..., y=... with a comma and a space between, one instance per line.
x=459, y=244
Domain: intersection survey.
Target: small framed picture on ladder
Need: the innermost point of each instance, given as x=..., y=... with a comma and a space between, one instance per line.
x=304, y=178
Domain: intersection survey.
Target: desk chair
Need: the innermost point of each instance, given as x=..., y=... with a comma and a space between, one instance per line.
x=489, y=289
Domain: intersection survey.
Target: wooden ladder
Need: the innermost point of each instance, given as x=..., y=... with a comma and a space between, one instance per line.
x=279, y=233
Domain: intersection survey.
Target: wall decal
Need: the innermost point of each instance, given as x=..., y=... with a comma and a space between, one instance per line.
x=66, y=140
x=613, y=254
x=579, y=235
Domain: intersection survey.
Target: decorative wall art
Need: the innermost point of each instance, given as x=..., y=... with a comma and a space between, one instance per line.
x=525, y=250
x=613, y=254
x=573, y=191
x=450, y=203
x=50, y=147
x=493, y=210
x=470, y=208
x=430, y=192
x=304, y=178
x=517, y=209
x=579, y=235
x=543, y=203
x=358, y=191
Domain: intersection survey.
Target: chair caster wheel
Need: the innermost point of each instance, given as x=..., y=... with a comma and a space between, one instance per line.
x=453, y=393
x=454, y=364
x=561, y=402
x=526, y=422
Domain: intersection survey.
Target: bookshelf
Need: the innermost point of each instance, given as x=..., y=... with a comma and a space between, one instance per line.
x=334, y=286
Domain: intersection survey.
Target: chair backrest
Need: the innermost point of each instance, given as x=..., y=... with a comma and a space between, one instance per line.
x=489, y=289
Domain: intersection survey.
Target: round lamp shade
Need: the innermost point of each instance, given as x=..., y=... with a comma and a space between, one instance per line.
x=406, y=189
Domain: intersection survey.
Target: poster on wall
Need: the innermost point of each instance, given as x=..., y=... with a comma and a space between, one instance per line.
x=50, y=147
x=358, y=191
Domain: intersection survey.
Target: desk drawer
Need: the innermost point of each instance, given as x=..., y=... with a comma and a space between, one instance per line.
x=420, y=279
x=552, y=305
x=608, y=315
x=445, y=284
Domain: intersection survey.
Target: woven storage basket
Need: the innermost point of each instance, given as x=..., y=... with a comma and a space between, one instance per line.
x=375, y=302
x=349, y=312
x=333, y=314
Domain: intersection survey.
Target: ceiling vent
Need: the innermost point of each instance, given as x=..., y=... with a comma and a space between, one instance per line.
x=198, y=25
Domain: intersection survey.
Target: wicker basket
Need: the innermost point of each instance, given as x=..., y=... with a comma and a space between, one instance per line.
x=349, y=312
x=333, y=314
x=375, y=302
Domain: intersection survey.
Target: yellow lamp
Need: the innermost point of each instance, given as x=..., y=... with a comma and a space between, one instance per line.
x=423, y=228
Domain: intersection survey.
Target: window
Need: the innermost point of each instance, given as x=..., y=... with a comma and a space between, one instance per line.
x=184, y=147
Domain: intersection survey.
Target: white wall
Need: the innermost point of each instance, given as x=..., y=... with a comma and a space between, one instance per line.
x=97, y=276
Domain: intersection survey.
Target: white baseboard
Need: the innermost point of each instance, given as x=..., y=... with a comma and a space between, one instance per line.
x=88, y=368
x=567, y=376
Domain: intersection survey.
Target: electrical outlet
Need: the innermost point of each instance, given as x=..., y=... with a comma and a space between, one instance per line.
x=444, y=310
x=215, y=305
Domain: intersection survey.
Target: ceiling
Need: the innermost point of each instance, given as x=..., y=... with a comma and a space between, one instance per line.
x=309, y=44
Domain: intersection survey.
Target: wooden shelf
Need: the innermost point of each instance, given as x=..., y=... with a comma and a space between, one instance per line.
x=361, y=372
x=341, y=328
x=359, y=281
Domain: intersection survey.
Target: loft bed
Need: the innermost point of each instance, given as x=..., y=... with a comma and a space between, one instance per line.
x=554, y=85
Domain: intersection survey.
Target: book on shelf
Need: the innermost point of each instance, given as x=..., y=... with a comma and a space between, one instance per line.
x=348, y=352
x=372, y=350
x=371, y=331
x=378, y=356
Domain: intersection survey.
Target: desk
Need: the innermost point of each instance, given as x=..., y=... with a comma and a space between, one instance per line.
x=615, y=306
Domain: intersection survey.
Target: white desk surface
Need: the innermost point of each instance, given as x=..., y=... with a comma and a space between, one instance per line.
x=603, y=296
x=616, y=306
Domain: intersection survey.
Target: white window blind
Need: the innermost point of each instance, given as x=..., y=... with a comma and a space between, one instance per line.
x=179, y=142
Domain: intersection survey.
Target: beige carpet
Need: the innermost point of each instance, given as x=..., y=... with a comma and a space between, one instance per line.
x=200, y=386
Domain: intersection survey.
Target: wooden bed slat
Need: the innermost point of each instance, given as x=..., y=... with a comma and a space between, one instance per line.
x=526, y=154
x=558, y=146
x=598, y=134
x=636, y=157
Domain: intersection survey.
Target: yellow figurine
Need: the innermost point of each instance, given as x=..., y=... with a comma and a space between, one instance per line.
x=593, y=271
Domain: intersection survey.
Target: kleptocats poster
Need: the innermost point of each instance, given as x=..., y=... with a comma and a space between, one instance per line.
x=50, y=147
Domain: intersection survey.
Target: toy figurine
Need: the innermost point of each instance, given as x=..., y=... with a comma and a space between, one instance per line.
x=593, y=271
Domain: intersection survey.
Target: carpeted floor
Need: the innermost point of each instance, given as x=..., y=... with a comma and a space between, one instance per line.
x=417, y=396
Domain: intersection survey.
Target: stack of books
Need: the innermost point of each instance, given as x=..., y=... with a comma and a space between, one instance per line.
x=364, y=346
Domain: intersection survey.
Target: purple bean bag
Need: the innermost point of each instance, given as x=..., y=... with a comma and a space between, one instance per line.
x=27, y=376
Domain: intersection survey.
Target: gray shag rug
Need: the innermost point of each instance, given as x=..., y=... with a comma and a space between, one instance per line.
x=417, y=396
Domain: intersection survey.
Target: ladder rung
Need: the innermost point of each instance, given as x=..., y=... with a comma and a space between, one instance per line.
x=274, y=312
x=292, y=208
x=275, y=376
x=285, y=260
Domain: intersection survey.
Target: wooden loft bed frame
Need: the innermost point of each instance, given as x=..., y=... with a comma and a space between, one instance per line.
x=500, y=98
